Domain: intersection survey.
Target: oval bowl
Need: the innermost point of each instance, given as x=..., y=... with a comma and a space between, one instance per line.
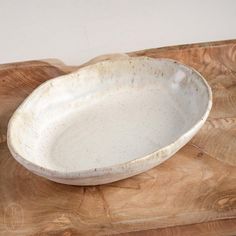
x=109, y=121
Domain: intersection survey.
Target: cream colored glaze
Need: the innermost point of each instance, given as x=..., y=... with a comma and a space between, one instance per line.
x=109, y=121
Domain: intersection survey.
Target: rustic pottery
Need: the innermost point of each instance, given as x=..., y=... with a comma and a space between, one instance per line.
x=109, y=121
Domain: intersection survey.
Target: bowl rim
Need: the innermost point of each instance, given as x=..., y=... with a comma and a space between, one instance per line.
x=116, y=168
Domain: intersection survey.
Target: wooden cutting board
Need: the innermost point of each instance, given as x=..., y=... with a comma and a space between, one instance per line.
x=197, y=185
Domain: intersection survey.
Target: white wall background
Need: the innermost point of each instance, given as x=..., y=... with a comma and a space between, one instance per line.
x=77, y=30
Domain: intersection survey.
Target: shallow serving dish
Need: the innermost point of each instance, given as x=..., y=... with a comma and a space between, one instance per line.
x=109, y=121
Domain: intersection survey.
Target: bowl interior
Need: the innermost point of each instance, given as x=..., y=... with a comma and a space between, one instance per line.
x=108, y=113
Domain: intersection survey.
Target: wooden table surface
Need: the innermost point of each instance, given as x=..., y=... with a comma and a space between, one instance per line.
x=193, y=193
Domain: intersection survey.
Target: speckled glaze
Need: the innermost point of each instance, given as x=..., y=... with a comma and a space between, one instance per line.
x=109, y=121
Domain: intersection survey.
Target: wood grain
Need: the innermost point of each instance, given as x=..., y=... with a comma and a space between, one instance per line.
x=213, y=228
x=197, y=185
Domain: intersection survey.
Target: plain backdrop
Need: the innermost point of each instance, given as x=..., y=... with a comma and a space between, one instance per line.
x=78, y=30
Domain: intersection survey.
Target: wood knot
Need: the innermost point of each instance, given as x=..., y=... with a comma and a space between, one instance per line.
x=226, y=203
x=200, y=154
x=67, y=233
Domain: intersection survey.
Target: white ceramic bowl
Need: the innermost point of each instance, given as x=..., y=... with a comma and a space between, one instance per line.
x=109, y=121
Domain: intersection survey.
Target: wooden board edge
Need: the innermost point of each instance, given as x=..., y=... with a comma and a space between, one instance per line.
x=217, y=227
x=70, y=68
